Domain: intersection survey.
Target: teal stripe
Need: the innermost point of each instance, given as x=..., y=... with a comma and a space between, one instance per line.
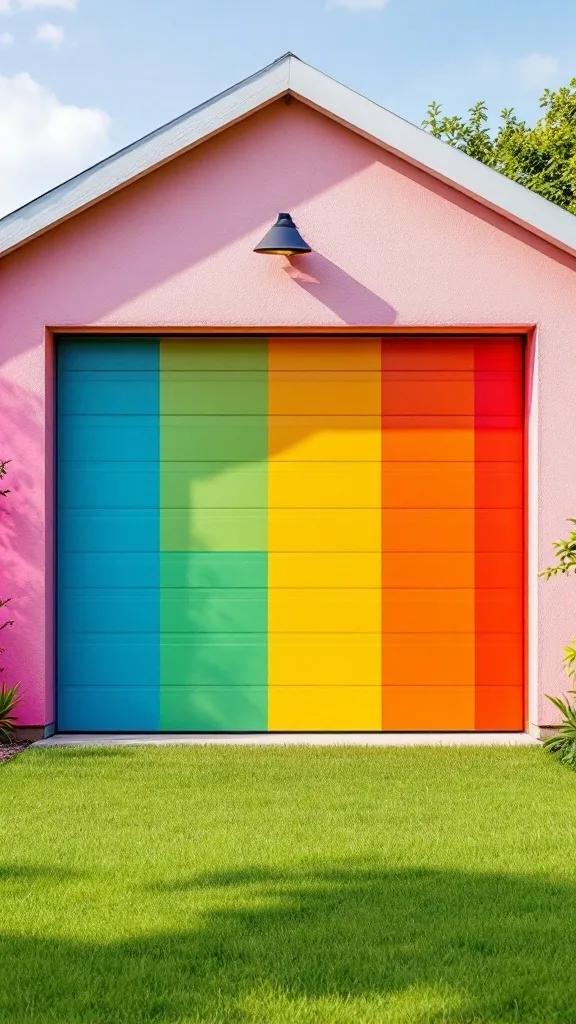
x=107, y=519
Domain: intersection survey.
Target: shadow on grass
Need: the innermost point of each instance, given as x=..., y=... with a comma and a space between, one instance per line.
x=353, y=943
x=32, y=873
x=80, y=753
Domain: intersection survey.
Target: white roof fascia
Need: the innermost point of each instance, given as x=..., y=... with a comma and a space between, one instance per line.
x=145, y=155
x=422, y=149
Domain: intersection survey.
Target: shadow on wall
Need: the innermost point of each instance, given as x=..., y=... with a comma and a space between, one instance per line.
x=352, y=942
x=338, y=291
x=21, y=532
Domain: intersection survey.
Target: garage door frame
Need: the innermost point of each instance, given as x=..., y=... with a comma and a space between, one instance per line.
x=527, y=333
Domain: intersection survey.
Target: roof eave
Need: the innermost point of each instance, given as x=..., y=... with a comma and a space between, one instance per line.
x=140, y=158
x=421, y=149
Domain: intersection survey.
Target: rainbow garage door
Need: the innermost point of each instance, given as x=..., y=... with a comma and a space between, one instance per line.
x=290, y=534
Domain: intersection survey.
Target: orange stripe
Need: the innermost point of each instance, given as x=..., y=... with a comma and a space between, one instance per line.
x=428, y=500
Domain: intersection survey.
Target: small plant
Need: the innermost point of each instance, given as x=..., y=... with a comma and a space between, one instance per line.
x=563, y=744
x=9, y=695
x=9, y=701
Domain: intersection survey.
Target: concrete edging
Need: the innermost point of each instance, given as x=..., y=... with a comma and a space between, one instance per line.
x=517, y=739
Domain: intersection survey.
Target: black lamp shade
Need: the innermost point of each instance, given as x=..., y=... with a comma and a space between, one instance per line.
x=283, y=239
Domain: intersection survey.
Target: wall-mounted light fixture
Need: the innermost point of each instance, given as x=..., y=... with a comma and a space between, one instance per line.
x=283, y=239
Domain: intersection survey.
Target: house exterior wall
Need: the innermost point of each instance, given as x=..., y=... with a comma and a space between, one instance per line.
x=392, y=248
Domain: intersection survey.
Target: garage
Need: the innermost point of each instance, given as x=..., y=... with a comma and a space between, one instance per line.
x=290, y=533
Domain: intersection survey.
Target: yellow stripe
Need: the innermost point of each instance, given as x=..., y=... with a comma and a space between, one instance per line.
x=324, y=535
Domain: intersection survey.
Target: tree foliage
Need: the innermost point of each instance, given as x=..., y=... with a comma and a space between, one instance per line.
x=542, y=157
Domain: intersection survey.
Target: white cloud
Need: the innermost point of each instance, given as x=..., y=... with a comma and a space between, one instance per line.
x=44, y=141
x=6, y=38
x=33, y=5
x=358, y=5
x=537, y=70
x=4, y=6
x=51, y=34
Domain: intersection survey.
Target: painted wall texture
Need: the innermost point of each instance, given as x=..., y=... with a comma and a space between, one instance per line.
x=391, y=246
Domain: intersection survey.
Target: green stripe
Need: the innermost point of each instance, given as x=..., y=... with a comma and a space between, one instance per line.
x=213, y=534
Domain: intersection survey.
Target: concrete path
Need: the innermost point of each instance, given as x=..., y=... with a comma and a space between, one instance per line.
x=318, y=739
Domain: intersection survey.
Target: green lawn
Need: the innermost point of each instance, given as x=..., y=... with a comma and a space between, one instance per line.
x=257, y=886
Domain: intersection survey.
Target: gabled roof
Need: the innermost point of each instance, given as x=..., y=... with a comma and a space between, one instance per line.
x=290, y=76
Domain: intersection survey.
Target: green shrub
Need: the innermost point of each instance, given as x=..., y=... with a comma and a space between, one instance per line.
x=9, y=701
x=563, y=744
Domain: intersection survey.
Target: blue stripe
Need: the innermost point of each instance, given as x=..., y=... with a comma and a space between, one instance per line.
x=108, y=534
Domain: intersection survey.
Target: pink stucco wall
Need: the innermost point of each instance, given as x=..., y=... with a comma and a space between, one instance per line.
x=391, y=247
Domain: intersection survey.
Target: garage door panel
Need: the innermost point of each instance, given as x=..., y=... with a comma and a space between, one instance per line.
x=294, y=610
x=428, y=530
x=499, y=708
x=426, y=397
x=88, y=660
x=428, y=611
x=499, y=439
x=325, y=708
x=205, y=354
x=214, y=569
x=214, y=660
x=214, y=611
x=499, y=660
x=500, y=569
x=106, y=611
x=214, y=485
x=430, y=659
x=208, y=529
x=414, y=570
x=214, y=709
x=499, y=610
x=324, y=485
x=213, y=438
x=106, y=439
x=92, y=569
x=301, y=530
x=326, y=659
x=499, y=485
x=334, y=569
x=427, y=439
x=123, y=396
x=324, y=354
x=319, y=398
x=499, y=530
x=210, y=397
x=428, y=708
x=104, y=708
x=445, y=485
x=418, y=354
x=497, y=392
x=109, y=485
x=108, y=530
x=500, y=354
x=83, y=354
x=324, y=438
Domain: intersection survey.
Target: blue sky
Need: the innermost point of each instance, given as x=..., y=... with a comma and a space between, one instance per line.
x=80, y=78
